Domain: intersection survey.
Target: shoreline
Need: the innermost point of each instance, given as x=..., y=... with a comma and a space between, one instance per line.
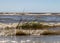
x=7, y=29
x=10, y=29
x=22, y=32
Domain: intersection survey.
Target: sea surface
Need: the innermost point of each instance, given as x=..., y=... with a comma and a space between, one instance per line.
x=29, y=39
x=28, y=18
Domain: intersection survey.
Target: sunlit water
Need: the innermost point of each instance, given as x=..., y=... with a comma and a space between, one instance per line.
x=29, y=39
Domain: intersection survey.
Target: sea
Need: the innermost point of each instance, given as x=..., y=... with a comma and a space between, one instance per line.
x=28, y=18
x=30, y=39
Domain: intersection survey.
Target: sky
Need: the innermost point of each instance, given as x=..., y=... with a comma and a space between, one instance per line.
x=30, y=5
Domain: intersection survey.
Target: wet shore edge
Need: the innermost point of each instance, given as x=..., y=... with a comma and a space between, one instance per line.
x=29, y=32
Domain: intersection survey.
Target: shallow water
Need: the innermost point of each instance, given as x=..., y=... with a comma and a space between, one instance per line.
x=31, y=39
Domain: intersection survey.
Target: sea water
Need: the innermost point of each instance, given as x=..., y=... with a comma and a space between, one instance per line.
x=28, y=18
x=29, y=39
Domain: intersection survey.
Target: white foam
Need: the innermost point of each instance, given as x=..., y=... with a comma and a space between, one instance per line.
x=14, y=41
x=28, y=40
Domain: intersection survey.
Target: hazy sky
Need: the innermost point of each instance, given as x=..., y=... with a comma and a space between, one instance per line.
x=30, y=5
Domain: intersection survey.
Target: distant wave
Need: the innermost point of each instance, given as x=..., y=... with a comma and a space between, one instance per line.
x=16, y=18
